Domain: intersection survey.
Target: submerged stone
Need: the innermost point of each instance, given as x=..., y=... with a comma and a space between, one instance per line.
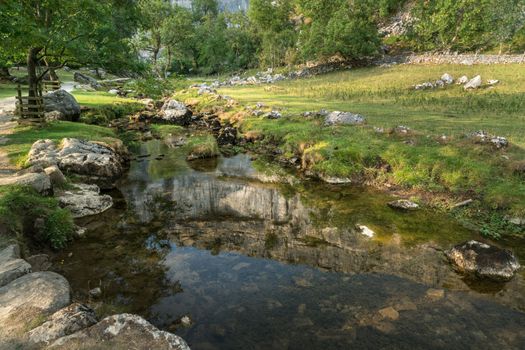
x=403, y=204
x=483, y=261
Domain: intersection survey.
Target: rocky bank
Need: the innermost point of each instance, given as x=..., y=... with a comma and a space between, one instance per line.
x=36, y=313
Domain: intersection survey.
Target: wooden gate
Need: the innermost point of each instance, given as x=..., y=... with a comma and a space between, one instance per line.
x=30, y=109
x=51, y=85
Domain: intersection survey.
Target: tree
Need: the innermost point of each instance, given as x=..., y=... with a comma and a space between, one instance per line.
x=204, y=8
x=465, y=24
x=57, y=32
x=338, y=27
x=167, y=32
x=272, y=21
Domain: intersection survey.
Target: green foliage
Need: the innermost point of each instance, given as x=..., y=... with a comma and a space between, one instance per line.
x=150, y=87
x=271, y=19
x=105, y=114
x=339, y=27
x=21, y=206
x=466, y=24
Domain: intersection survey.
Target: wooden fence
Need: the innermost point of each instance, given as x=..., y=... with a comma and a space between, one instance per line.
x=30, y=109
x=51, y=85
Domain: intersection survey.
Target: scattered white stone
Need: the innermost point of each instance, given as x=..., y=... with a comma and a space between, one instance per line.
x=364, y=230
x=493, y=81
x=447, y=79
x=344, y=118
x=403, y=204
x=474, y=83
x=462, y=80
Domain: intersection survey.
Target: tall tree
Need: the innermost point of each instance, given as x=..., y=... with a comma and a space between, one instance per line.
x=272, y=20
x=57, y=32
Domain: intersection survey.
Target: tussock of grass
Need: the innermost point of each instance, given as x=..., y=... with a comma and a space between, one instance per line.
x=201, y=147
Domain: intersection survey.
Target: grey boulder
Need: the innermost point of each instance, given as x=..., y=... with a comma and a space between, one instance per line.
x=473, y=83
x=29, y=297
x=483, y=261
x=39, y=181
x=175, y=112
x=84, y=200
x=11, y=266
x=96, y=162
x=63, y=102
x=66, y=321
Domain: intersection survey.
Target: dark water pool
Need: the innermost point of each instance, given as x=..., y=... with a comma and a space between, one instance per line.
x=258, y=266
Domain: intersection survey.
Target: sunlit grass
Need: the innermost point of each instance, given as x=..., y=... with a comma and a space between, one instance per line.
x=385, y=96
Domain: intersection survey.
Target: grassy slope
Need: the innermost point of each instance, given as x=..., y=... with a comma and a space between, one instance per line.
x=420, y=160
x=385, y=96
x=21, y=140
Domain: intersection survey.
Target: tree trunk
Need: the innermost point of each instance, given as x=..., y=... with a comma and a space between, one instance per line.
x=4, y=74
x=32, y=62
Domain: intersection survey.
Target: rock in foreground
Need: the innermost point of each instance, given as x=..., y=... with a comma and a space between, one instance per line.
x=96, y=162
x=30, y=296
x=66, y=321
x=84, y=200
x=483, y=261
x=124, y=331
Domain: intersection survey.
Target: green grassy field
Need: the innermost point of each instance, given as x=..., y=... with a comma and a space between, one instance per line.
x=385, y=97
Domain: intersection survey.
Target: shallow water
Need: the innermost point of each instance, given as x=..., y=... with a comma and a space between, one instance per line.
x=258, y=266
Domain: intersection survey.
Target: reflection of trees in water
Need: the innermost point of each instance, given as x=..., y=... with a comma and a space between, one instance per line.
x=115, y=256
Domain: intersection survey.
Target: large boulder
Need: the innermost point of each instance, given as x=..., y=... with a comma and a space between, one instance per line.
x=84, y=200
x=86, y=80
x=63, y=102
x=175, y=112
x=39, y=181
x=344, y=118
x=483, y=261
x=96, y=162
x=66, y=321
x=11, y=266
x=30, y=297
x=124, y=331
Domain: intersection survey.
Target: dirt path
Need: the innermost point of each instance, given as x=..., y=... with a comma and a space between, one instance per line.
x=7, y=106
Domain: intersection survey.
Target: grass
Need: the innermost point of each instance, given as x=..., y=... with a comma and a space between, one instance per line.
x=202, y=146
x=385, y=97
x=98, y=98
x=21, y=140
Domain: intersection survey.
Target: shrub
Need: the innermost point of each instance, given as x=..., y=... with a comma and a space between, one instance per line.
x=21, y=206
x=105, y=114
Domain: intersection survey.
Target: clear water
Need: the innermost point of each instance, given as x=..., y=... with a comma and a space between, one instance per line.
x=259, y=266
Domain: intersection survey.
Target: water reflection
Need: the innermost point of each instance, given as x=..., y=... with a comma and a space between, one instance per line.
x=263, y=266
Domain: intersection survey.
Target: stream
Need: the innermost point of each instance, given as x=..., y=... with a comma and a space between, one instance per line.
x=276, y=266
